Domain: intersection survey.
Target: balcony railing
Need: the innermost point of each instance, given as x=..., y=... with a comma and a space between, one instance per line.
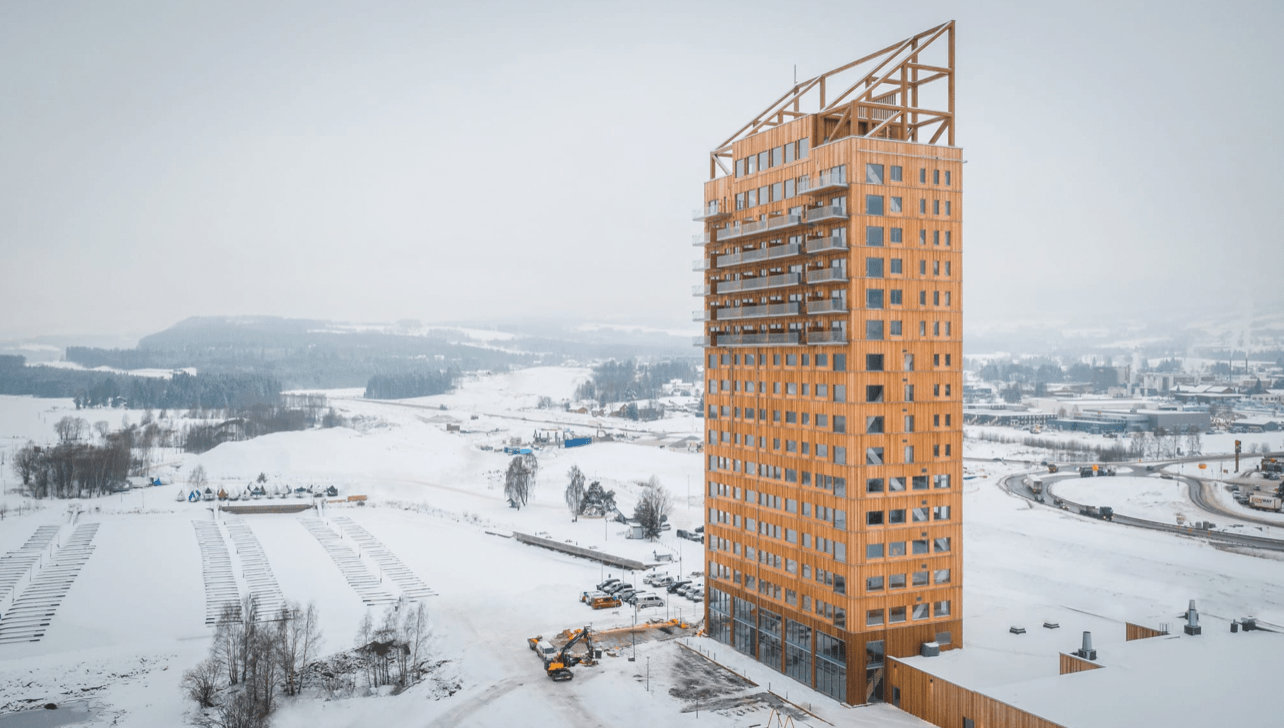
x=826, y=212
x=701, y=265
x=700, y=341
x=822, y=245
x=749, y=312
x=701, y=316
x=702, y=290
x=753, y=256
x=711, y=211
x=781, y=339
x=824, y=182
x=826, y=275
x=701, y=239
x=778, y=222
x=754, y=284
x=829, y=305
x=833, y=336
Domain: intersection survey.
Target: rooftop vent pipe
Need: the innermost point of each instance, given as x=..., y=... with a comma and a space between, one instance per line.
x=1192, y=620
x=1086, y=652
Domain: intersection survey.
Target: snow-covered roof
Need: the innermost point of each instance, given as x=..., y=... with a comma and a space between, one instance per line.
x=1173, y=680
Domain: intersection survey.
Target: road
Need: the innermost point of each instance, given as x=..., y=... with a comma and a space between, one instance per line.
x=1014, y=485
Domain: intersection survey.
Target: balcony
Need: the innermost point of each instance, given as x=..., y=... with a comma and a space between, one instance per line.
x=710, y=212
x=700, y=265
x=826, y=244
x=833, y=336
x=781, y=339
x=826, y=212
x=701, y=316
x=829, y=305
x=702, y=290
x=750, y=312
x=756, y=284
x=753, y=256
x=824, y=182
x=700, y=341
x=826, y=275
x=701, y=239
x=739, y=230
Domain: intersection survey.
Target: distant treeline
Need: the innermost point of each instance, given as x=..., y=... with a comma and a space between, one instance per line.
x=626, y=381
x=404, y=385
x=99, y=389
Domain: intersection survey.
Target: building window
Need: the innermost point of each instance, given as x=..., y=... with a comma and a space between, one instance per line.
x=840, y=455
x=936, y=207
x=840, y=365
x=874, y=329
x=874, y=362
x=873, y=455
x=873, y=485
x=896, y=548
x=874, y=518
x=941, y=576
x=873, y=204
x=922, y=611
x=894, y=205
x=874, y=583
x=874, y=425
x=874, y=618
x=936, y=176
x=840, y=424
x=922, y=206
x=941, y=545
x=874, y=551
x=873, y=267
x=874, y=235
x=922, y=176
x=909, y=453
x=897, y=235
x=896, y=173
x=947, y=208
x=873, y=393
x=942, y=608
x=894, y=298
x=897, y=266
x=896, y=517
x=873, y=174
x=895, y=615
x=919, y=547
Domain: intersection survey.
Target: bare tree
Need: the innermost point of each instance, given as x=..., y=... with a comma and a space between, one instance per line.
x=26, y=462
x=197, y=478
x=300, y=641
x=519, y=481
x=70, y=429
x=575, y=492
x=201, y=683
x=417, y=631
x=653, y=507
x=102, y=428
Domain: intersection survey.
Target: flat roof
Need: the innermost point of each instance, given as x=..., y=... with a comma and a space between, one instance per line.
x=1172, y=680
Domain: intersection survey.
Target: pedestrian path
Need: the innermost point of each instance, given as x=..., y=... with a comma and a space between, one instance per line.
x=28, y=618
x=367, y=585
x=216, y=569
x=401, y=575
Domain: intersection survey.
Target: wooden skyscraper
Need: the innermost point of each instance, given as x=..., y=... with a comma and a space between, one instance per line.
x=833, y=352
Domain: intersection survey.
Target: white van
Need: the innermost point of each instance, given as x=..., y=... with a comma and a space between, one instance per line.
x=648, y=600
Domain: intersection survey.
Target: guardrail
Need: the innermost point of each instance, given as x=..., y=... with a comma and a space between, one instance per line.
x=567, y=548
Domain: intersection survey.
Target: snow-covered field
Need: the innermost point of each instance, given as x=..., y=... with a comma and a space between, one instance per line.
x=133, y=620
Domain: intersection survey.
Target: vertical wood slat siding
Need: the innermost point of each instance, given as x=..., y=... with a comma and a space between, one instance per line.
x=945, y=704
x=1070, y=663
x=1138, y=632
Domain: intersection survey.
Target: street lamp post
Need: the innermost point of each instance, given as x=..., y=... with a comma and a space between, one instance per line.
x=648, y=673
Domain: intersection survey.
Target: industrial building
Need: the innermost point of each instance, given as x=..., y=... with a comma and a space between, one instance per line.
x=831, y=298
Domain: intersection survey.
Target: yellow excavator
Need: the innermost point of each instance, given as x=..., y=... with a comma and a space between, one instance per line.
x=559, y=666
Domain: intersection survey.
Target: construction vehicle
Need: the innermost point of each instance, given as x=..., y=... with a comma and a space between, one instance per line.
x=1052, y=467
x=559, y=666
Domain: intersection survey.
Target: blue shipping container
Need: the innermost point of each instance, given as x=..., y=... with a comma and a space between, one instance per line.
x=576, y=441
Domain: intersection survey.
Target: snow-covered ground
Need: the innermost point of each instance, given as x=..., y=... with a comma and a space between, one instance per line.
x=133, y=620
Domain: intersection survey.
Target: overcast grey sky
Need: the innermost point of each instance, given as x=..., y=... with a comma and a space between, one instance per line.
x=374, y=161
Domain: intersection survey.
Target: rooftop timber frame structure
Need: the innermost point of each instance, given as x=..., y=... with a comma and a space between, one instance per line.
x=885, y=103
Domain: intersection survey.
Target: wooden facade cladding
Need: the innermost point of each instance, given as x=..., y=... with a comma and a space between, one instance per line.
x=945, y=704
x=1138, y=632
x=1070, y=663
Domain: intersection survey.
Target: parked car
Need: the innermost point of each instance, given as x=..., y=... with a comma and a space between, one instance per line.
x=696, y=595
x=653, y=578
x=646, y=601
x=663, y=582
x=616, y=587
x=589, y=596
x=605, y=584
x=677, y=585
x=624, y=594
x=635, y=596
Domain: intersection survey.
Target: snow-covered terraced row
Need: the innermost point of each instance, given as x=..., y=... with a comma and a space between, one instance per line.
x=367, y=586
x=21, y=562
x=216, y=568
x=412, y=586
x=255, y=570
x=30, y=614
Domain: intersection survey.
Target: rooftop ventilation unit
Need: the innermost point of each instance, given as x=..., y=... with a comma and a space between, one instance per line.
x=1017, y=630
x=1192, y=620
x=1086, y=652
x=930, y=649
x=1051, y=625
